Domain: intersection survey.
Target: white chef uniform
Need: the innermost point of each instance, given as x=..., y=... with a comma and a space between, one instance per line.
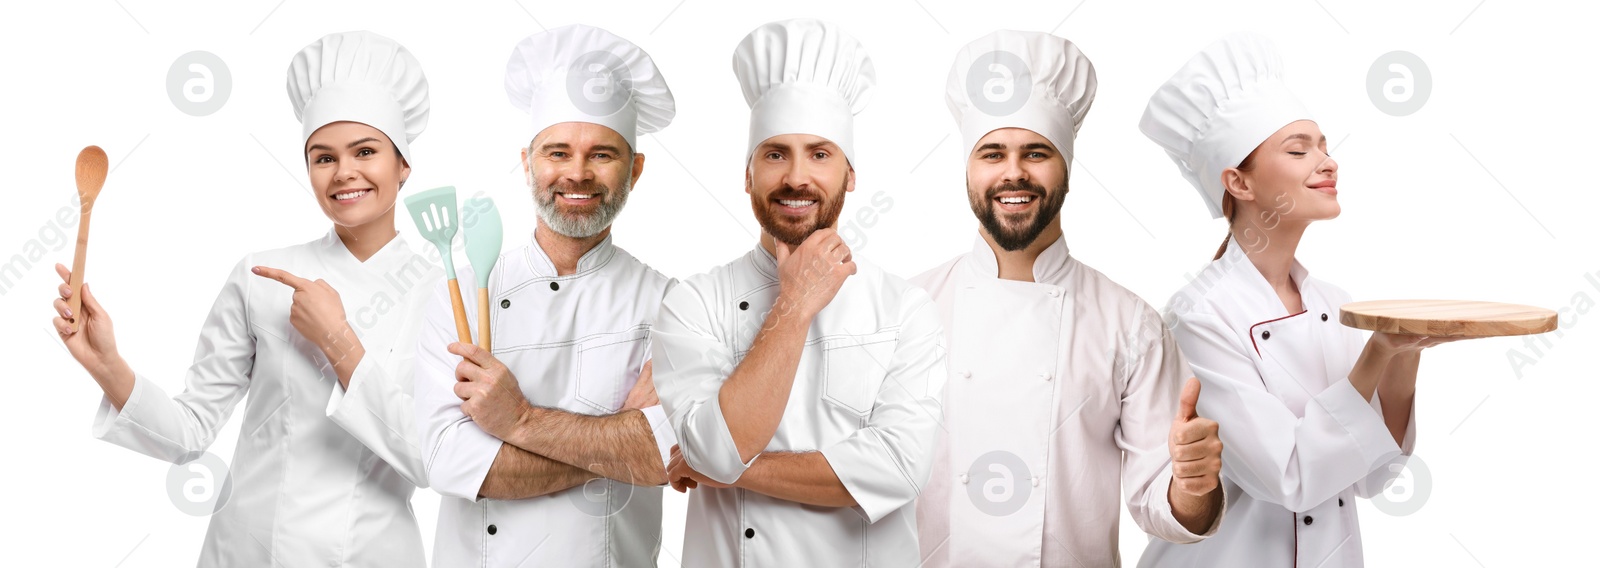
x=865, y=392
x=1063, y=389
x=321, y=476
x=1300, y=442
x=576, y=342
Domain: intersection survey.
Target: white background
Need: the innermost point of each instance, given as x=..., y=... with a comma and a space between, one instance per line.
x=1485, y=193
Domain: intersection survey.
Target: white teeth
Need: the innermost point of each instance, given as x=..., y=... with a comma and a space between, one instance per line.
x=578, y=195
x=350, y=194
x=796, y=203
x=1024, y=199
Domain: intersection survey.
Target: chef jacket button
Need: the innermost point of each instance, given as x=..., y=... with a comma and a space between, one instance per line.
x=1046, y=376
x=963, y=478
x=1341, y=501
x=505, y=304
x=749, y=533
x=1035, y=481
x=744, y=305
x=493, y=530
x=1265, y=335
x=1054, y=293
x=554, y=286
x=1324, y=317
x=1308, y=520
x=966, y=374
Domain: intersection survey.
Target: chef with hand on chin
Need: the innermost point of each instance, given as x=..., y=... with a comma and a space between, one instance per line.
x=803, y=382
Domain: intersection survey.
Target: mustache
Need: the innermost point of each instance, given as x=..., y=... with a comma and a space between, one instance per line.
x=1024, y=186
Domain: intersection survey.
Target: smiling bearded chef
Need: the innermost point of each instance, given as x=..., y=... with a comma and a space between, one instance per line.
x=803, y=384
x=550, y=450
x=326, y=462
x=1064, y=385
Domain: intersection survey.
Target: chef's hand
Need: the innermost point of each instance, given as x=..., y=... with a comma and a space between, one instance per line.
x=683, y=478
x=1396, y=344
x=318, y=314
x=93, y=345
x=811, y=274
x=1195, y=448
x=489, y=393
x=643, y=393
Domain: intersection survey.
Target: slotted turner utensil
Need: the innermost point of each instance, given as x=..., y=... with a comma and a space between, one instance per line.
x=434, y=211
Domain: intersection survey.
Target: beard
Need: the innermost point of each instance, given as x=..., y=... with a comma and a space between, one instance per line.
x=794, y=230
x=1015, y=231
x=579, y=224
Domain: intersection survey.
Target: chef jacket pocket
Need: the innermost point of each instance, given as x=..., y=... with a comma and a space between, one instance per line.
x=607, y=367
x=854, y=367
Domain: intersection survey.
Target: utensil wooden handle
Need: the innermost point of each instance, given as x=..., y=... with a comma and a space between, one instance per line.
x=483, y=320
x=463, y=329
x=75, y=303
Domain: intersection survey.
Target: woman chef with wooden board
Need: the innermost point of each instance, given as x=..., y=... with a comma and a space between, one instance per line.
x=1311, y=412
x=327, y=459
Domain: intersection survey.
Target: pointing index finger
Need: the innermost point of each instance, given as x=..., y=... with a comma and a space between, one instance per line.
x=290, y=280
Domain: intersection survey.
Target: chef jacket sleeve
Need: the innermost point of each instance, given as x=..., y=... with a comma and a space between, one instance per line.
x=1296, y=462
x=179, y=429
x=1150, y=372
x=1380, y=478
x=691, y=363
x=455, y=452
x=377, y=408
x=885, y=464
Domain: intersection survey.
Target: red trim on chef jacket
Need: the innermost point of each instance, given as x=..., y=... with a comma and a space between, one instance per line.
x=1253, y=330
x=1295, y=522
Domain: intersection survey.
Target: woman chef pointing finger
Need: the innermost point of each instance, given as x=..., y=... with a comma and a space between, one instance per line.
x=326, y=460
x=1311, y=413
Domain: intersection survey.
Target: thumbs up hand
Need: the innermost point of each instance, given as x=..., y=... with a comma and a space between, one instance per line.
x=1195, y=448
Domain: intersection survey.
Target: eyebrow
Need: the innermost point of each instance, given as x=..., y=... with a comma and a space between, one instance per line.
x=1306, y=137
x=326, y=148
x=1028, y=146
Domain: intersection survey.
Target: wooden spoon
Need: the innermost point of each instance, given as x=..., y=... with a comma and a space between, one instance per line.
x=91, y=177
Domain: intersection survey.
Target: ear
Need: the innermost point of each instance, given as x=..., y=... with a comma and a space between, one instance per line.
x=527, y=168
x=405, y=171
x=850, y=179
x=749, y=170
x=1237, y=184
x=638, y=168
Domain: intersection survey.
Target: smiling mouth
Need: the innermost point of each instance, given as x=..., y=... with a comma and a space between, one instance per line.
x=351, y=195
x=579, y=198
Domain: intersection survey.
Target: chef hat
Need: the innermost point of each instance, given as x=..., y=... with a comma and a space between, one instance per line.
x=360, y=77
x=1218, y=108
x=1012, y=79
x=581, y=73
x=804, y=77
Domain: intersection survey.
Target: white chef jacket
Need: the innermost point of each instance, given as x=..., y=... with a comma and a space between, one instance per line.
x=576, y=343
x=321, y=476
x=1062, y=391
x=1299, y=442
x=865, y=395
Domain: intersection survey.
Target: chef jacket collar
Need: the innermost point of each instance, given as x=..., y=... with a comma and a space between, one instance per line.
x=542, y=267
x=395, y=252
x=1050, y=266
x=1237, y=262
x=766, y=264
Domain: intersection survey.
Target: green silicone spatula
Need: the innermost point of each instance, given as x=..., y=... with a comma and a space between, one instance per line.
x=481, y=223
x=435, y=211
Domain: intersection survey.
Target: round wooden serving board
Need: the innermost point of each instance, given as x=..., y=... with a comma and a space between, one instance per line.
x=1447, y=318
